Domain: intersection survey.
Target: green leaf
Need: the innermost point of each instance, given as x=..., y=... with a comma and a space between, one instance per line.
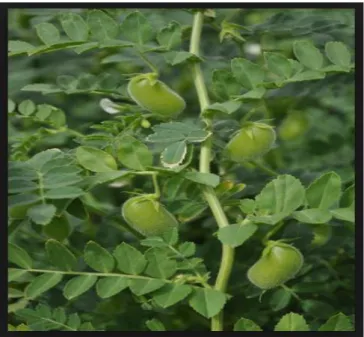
x=102, y=26
x=57, y=180
x=41, y=284
x=21, y=186
x=26, y=108
x=129, y=260
x=338, y=53
x=247, y=206
x=44, y=88
x=171, y=294
x=16, y=274
x=292, y=322
x=155, y=325
x=41, y=158
x=255, y=94
x=309, y=75
x=48, y=33
x=160, y=265
x=177, y=57
x=244, y=324
x=142, y=287
x=74, y=26
x=170, y=36
x=42, y=214
x=60, y=255
x=346, y=214
x=98, y=258
x=174, y=154
x=312, y=216
x=247, y=73
x=19, y=256
x=208, y=179
x=281, y=196
x=224, y=84
x=11, y=105
x=348, y=197
x=16, y=47
x=68, y=192
x=78, y=285
x=339, y=322
x=104, y=177
x=95, y=160
x=308, y=54
x=136, y=28
x=133, y=154
x=226, y=107
x=110, y=286
x=207, y=302
x=325, y=191
x=235, y=235
x=280, y=299
x=187, y=249
x=52, y=48
x=317, y=309
x=278, y=64
x=170, y=236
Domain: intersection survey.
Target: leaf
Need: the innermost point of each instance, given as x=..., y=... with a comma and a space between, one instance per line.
x=171, y=294
x=247, y=73
x=26, y=108
x=52, y=180
x=312, y=216
x=19, y=256
x=54, y=47
x=48, y=33
x=280, y=299
x=255, y=94
x=207, y=302
x=282, y=195
x=226, y=107
x=60, y=255
x=170, y=36
x=292, y=322
x=160, y=265
x=177, y=57
x=308, y=75
x=325, y=191
x=155, y=325
x=102, y=26
x=170, y=236
x=235, y=235
x=78, y=285
x=187, y=249
x=95, y=160
x=133, y=154
x=68, y=192
x=338, y=53
x=11, y=105
x=244, y=324
x=224, y=84
x=247, y=206
x=348, y=197
x=98, y=258
x=129, y=260
x=58, y=229
x=317, y=309
x=308, y=54
x=21, y=186
x=42, y=214
x=142, y=287
x=16, y=47
x=208, y=179
x=136, y=28
x=41, y=284
x=173, y=155
x=44, y=88
x=41, y=158
x=74, y=26
x=104, y=177
x=339, y=322
x=110, y=286
x=278, y=64
x=346, y=214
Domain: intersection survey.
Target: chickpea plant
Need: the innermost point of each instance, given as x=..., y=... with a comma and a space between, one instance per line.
x=171, y=156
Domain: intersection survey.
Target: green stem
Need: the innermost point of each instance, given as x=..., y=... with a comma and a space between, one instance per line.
x=227, y=258
x=157, y=190
x=148, y=62
x=265, y=169
x=274, y=230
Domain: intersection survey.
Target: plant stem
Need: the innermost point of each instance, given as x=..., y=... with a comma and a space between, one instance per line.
x=265, y=169
x=227, y=258
x=148, y=62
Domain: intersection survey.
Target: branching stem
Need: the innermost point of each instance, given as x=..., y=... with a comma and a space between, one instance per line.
x=227, y=258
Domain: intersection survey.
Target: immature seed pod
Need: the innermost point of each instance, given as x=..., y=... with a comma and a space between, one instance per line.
x=279, y=263
x=293, y=126
x=251, y=141
x=155, y=96
x=147, y=216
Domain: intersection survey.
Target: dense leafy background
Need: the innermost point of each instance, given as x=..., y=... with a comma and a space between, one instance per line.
x=78, y=80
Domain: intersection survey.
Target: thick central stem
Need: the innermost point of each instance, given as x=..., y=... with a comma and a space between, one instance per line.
x=227, y=258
